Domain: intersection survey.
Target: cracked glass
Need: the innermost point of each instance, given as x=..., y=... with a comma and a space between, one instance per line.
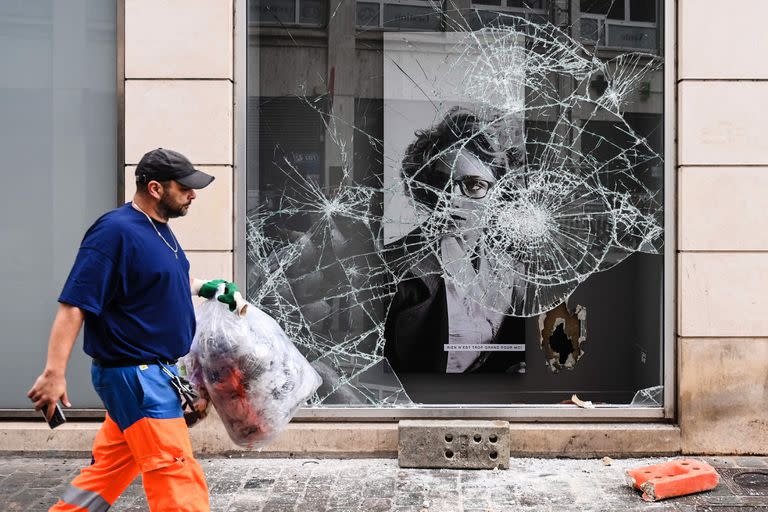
x=443, y=196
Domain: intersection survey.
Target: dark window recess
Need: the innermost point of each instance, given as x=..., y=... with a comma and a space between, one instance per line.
x=648, y=173
x=411, y=17
x=525, y=4
x=613, y=9
x=291, y=140
x=368, y=14
x=642, y=10
x=312, y=12
x=283, y=12
x=273, y=11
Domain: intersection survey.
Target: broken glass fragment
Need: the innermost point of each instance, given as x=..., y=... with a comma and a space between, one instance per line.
x=649, y=397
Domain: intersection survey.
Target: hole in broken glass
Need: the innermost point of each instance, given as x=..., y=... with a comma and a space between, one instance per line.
x=560, y=343
x=562, y=333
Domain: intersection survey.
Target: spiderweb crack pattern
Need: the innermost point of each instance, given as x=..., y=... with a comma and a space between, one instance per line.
x=553, y=214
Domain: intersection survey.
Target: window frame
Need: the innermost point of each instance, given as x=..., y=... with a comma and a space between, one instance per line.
x=381, y=4
x=505, y=9
x=666, y=24
x=296, y=19
x=604, y=24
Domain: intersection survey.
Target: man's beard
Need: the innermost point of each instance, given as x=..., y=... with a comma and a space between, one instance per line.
x=169, y=210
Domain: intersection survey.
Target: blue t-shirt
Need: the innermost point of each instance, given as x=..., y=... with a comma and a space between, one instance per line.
x=134, y=290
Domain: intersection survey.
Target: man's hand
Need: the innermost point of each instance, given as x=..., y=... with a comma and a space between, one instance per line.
x=202, y=402
x=208, y=289
x=51, y=385
x=231, y=296
x=228, y=297
x=199, y=408
x=49, y=388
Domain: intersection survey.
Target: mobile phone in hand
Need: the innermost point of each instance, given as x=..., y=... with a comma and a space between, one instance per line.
x=57, y=418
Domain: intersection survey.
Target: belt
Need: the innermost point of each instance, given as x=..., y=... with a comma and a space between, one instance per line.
x=121, y=363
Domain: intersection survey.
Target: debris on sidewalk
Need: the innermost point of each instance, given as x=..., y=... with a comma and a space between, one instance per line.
x=584, y=404
x=253, y=483
x=649, y=397
x=607, y=461
x=673, y=478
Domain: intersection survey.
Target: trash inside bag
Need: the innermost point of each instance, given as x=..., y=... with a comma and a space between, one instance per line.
x=255, y=377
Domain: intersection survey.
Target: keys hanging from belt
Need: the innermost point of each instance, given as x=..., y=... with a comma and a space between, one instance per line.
x=186, y=393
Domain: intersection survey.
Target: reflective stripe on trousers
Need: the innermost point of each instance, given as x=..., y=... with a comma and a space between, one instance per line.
x=85, y=500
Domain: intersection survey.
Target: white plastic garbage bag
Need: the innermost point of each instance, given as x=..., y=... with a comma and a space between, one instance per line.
x=255, y=377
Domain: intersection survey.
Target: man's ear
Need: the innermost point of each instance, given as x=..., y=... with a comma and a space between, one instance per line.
x=155, y=189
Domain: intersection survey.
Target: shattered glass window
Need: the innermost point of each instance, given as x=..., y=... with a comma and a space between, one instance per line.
x=461, y=203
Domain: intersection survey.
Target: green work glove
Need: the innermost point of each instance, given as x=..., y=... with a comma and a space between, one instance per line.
x=208, y=290
x=228, y=297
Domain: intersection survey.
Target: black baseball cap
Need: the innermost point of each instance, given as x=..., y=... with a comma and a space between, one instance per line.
x=164, y=164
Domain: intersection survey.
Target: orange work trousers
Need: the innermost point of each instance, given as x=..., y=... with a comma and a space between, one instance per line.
x=159, y=450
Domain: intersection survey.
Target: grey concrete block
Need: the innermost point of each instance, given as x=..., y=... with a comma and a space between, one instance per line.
x=465, y=444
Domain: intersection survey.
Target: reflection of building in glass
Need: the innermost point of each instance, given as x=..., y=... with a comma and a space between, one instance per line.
x=317, y=129
x=309, y=13
x=620, y=23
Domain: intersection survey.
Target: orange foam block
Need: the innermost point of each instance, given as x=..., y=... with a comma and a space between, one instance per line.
x=673, y=478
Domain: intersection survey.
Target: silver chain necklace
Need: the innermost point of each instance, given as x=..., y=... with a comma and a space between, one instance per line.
x=175, y=250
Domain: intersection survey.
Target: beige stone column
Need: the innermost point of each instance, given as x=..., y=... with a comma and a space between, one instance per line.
x=722, y=214
x=178, y=95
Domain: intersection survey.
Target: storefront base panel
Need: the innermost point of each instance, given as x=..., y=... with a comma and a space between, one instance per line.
x=593, y=439
x=344, y=440
x=723, y=392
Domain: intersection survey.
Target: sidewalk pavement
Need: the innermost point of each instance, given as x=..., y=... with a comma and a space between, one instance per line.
x=379, y=485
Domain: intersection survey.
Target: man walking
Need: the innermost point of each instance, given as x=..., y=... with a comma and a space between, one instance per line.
x=131, y=288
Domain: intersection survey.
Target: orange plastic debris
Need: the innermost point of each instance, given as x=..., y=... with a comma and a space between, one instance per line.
x=673, y=478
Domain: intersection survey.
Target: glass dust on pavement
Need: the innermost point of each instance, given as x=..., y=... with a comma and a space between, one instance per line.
x=379, y=485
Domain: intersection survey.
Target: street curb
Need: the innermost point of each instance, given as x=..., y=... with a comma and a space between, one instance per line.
x=345, y=440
